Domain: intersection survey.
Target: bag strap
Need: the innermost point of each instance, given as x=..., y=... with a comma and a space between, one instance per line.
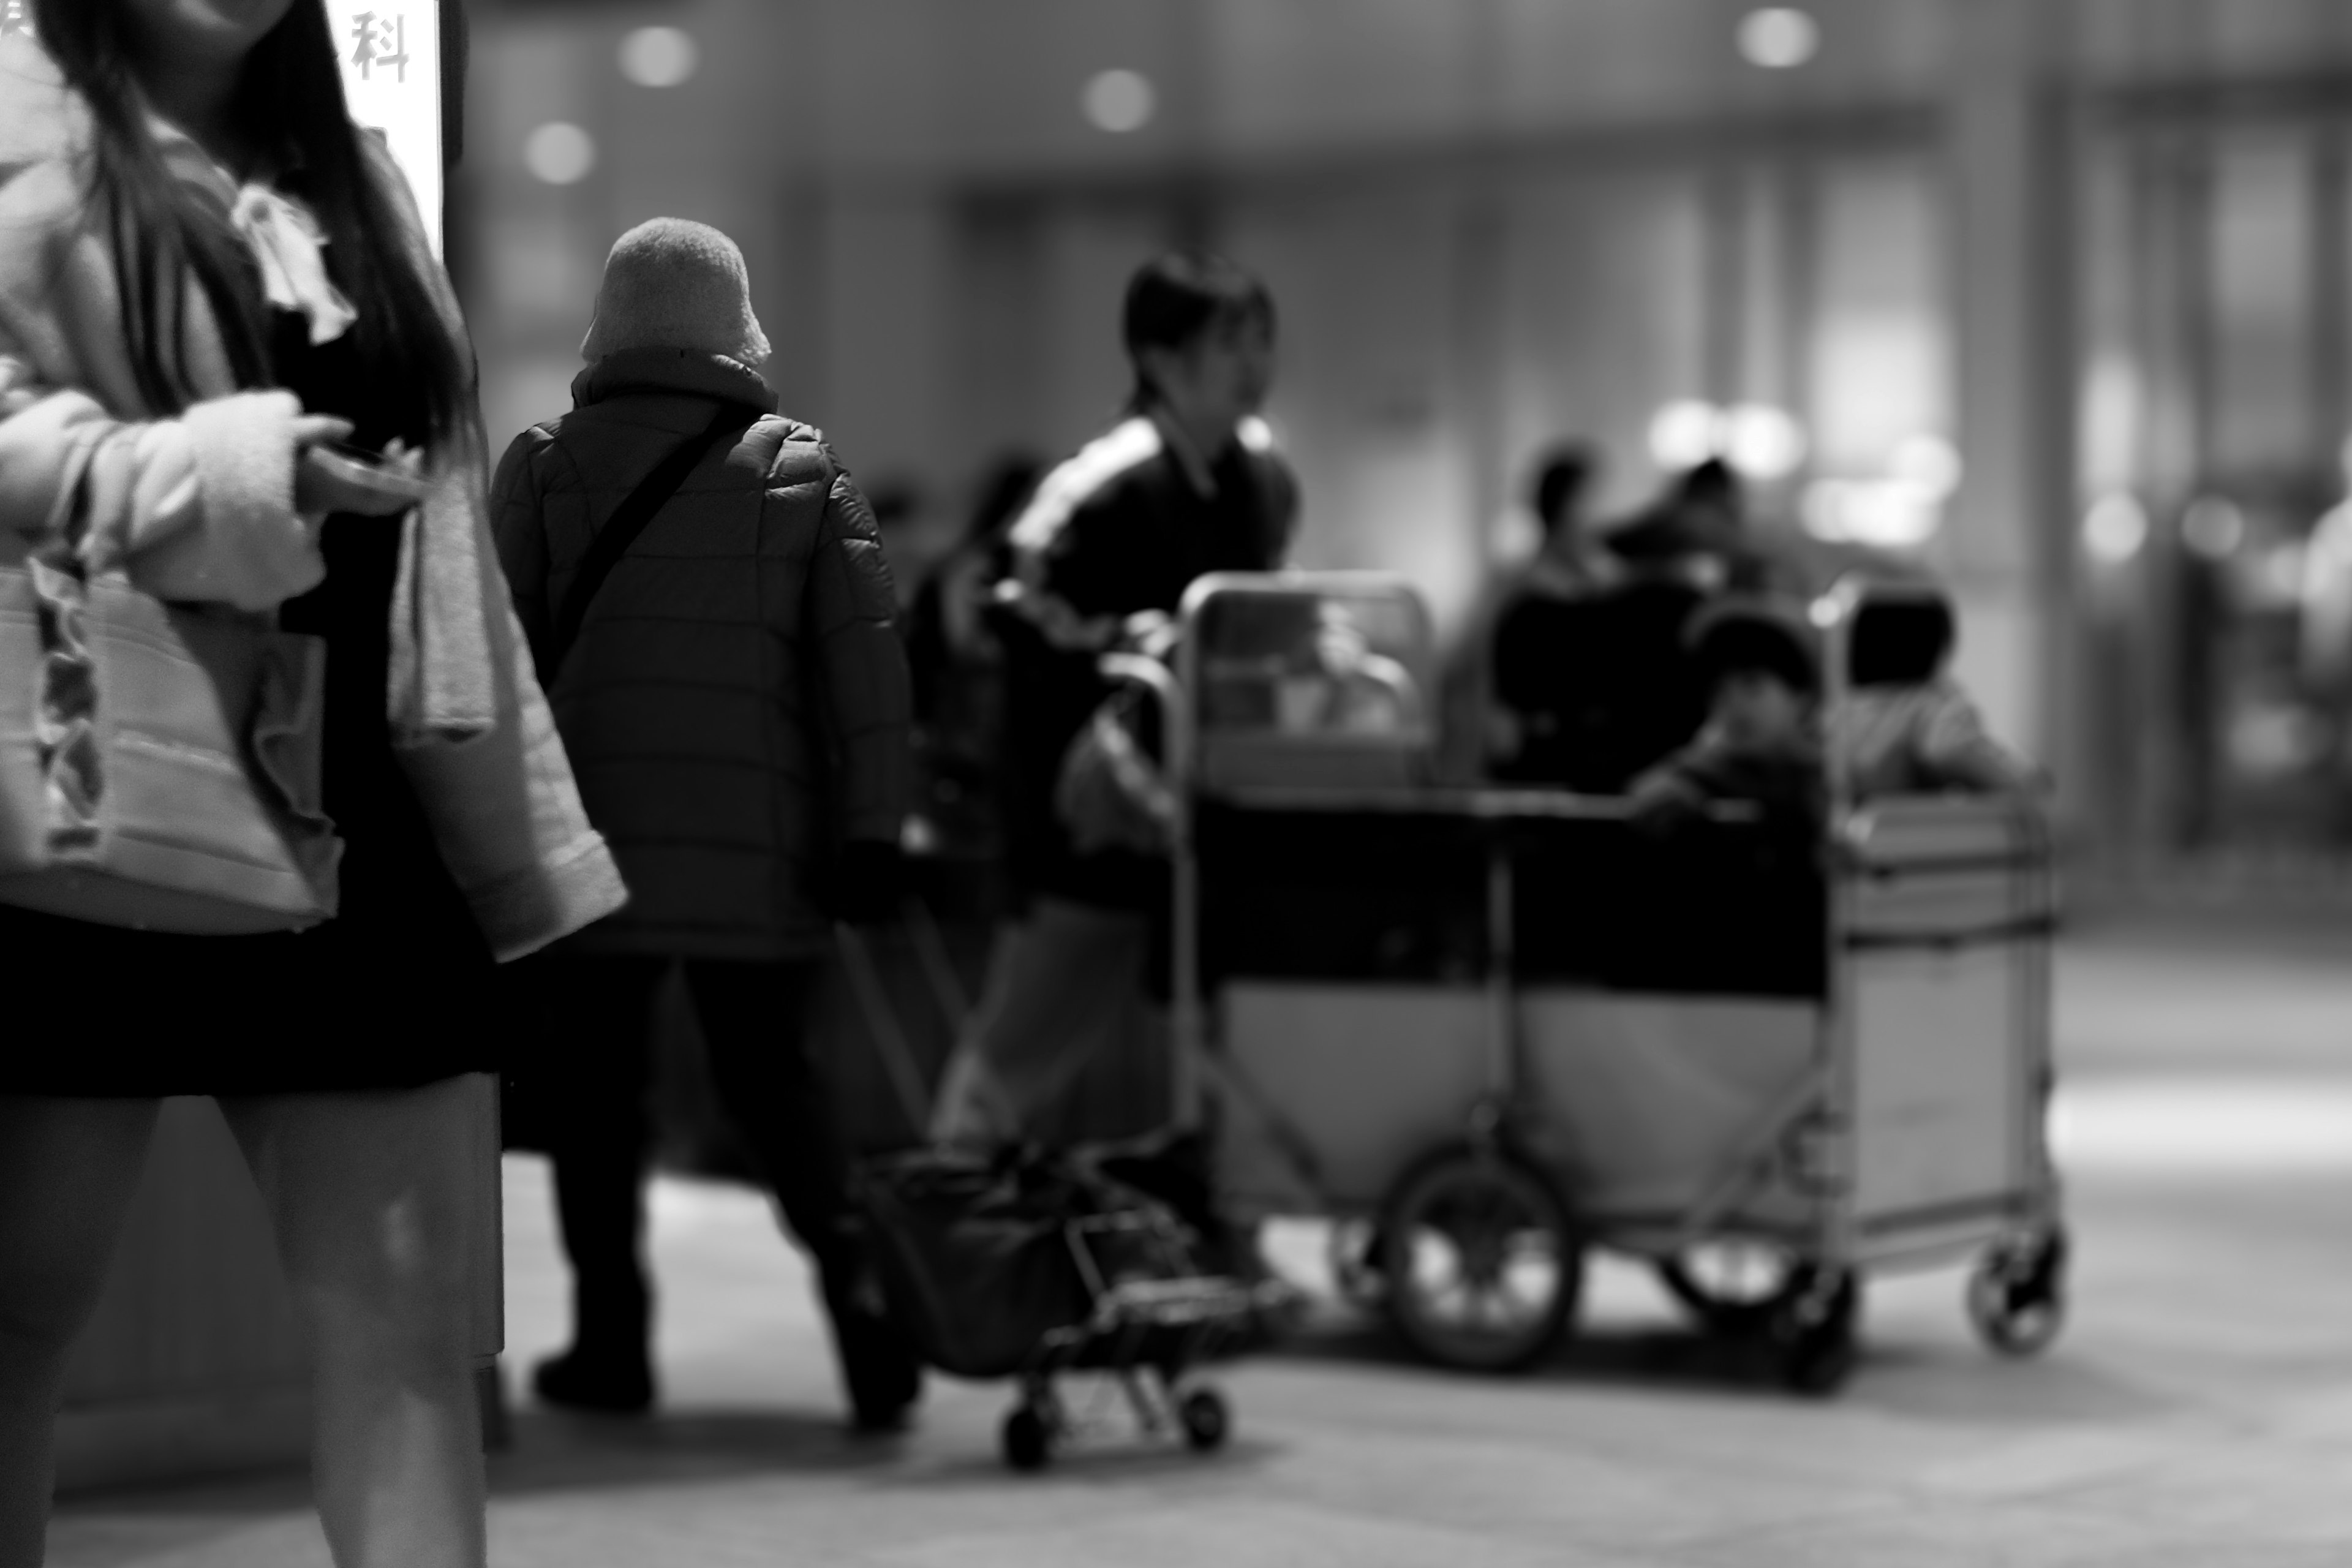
x=629, y=519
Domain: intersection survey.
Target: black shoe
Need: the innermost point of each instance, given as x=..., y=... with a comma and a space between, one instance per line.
x=881, y=1373
x=885, y=1382
x=607, y=1386
x=880, y=1420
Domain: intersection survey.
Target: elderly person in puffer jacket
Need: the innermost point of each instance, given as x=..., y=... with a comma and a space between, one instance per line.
x=736, y=706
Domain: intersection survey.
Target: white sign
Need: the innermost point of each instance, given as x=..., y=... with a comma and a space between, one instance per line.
x=391, y=51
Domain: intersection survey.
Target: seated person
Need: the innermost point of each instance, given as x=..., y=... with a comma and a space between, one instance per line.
x=1905, y=727
x=1760, y=742
x=1338, y=686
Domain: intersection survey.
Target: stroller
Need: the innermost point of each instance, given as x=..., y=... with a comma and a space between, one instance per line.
x=1028, y=1264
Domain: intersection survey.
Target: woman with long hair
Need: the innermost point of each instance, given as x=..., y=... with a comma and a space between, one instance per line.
x=209, y=278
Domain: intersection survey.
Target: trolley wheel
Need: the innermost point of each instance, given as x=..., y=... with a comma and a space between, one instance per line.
x=1731, y=1286
x=1027, y=1437
x=1813, y=1330
x=1354, y=1251
x=1206, y=1417
x=1483, y=1266
x=2017, y=1294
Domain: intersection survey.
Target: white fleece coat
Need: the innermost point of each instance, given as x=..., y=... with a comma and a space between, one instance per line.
x=197, y=504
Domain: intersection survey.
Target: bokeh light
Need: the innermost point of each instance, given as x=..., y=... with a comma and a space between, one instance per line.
x=1929, y=462
x=659, y=57
x=2212, y=527
x=1778, y=38
x=559, y=153
x=2115, y=527
x=1761, y=441
x=1683, y=434
x=1119, y=101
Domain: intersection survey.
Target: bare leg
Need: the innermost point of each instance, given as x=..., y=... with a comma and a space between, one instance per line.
x=68, y=1168
x=369, y=1195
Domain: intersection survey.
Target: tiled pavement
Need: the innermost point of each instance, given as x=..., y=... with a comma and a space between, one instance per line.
x=2198, y=1413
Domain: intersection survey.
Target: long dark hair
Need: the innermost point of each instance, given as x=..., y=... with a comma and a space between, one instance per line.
x=165, y=232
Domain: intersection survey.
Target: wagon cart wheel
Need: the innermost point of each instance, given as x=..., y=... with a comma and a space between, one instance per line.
x=1482, y=1266
x=1731, y=1286
x=1813, y=1328
x=2017, y=1294
x=1206, y=1417
x=1027, y=1437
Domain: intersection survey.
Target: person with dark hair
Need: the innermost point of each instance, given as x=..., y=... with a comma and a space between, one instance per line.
x=1701, y=523
x=1903, y=726
x=1188, y=483
x=1762, y=744
x=735, y=698
x=1522, y=649
x=208, y=277
x=1562, y=480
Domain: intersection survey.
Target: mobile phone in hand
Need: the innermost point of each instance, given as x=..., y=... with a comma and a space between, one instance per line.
x=362, y=469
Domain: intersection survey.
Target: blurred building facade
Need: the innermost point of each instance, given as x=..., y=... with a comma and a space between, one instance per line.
x=2050, y=295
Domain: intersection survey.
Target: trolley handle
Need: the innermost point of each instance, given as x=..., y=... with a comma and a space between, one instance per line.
x=1151, y=673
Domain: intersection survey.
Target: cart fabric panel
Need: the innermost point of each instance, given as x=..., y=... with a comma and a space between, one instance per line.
x=1369, y=1077
x=1400, y=896
x=1707, y=909
x=1642, y=1098
x=1340, y=895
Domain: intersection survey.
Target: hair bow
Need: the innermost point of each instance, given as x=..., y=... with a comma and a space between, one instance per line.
x=285, y=240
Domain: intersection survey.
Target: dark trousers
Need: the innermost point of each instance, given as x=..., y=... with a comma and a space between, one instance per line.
x=589, y=1075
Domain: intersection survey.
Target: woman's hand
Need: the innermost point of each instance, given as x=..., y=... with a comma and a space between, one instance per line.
x=325, y=482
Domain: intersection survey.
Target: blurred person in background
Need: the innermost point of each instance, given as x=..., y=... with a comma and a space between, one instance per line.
x=207, y=274
x=1599, y=684
x=1188, y=483
x=735, y=704
x=1709, y=504
x=1508, y=636
x=957, y=667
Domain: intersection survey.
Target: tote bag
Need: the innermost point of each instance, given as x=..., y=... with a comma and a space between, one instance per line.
x=159, y=763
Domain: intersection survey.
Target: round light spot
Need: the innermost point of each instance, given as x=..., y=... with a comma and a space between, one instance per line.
x=659, y=57
x=1685, y=434
x=1119, y=101
x=560, y=152
x=1891, y=514
x=1763, y=442
x=2212, y=527
x=2115, y=527
x=1778, y=38
x=1926, y=461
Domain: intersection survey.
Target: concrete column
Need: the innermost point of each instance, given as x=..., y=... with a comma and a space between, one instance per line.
x=2007, y=543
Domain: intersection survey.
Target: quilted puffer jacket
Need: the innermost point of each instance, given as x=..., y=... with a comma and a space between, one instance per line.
x=736, y=705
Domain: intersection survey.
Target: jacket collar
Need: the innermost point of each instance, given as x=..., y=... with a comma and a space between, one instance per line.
x=672, y=370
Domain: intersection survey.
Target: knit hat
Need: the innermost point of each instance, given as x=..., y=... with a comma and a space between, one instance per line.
x=672, y=284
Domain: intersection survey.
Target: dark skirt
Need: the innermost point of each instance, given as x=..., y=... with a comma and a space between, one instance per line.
x=394, y=993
